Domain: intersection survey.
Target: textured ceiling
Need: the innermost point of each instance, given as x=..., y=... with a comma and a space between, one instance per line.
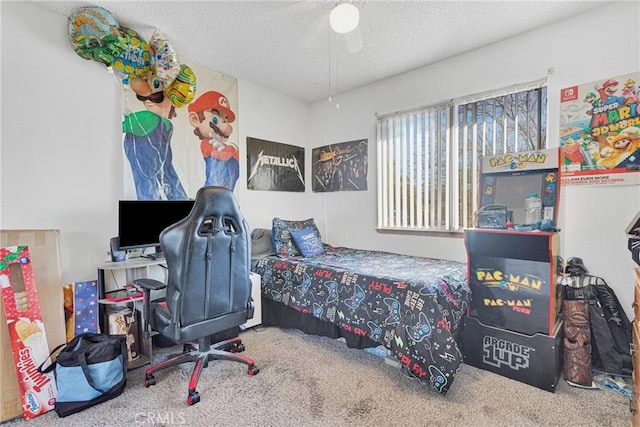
x=287, y=46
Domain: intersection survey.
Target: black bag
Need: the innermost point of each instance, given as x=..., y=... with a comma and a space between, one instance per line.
x=90, y=369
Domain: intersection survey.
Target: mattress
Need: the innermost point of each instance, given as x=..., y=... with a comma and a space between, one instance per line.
x=413, y=306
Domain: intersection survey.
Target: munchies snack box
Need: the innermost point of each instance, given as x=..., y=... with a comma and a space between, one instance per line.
x=26, y=330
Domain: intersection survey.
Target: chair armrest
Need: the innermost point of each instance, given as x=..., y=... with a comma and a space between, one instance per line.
x=147, y=286
x=150, y=284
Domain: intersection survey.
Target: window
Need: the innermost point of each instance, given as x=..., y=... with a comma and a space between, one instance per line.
x=429, y=157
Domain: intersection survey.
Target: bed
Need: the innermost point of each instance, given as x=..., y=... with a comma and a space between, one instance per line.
x=412, y=306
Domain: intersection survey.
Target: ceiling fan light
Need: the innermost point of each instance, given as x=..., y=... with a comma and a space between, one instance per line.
x=344, y=18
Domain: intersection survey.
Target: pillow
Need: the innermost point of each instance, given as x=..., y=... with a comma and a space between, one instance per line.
x=282, y=242
x=307, y=242
x=261, y=242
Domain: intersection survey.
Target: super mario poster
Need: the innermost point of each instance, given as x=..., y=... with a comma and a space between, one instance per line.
x=178, y=139
x=340, y=167
x=600, y=132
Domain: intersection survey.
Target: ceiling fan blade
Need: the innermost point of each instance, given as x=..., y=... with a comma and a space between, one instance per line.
x=313, y=32
x=353, y=40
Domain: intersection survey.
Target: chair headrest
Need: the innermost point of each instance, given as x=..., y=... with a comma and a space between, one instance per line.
x=215, y=200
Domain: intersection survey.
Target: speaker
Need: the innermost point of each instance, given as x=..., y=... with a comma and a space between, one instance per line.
x=117, y=255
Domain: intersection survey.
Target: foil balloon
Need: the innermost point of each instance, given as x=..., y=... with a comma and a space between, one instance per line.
x=95, y=35
x=136, y=58
x=163, y=58
x=183, y=89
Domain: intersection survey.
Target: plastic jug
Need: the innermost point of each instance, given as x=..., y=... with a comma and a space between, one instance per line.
x=532, y=209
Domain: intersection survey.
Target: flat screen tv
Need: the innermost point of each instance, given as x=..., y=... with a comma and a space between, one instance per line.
x=140, y=222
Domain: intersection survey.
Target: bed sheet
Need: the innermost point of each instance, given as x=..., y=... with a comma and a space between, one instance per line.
x=411, y=305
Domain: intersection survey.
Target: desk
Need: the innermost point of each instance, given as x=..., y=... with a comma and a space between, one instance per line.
x=256, y=294
x=134, y=268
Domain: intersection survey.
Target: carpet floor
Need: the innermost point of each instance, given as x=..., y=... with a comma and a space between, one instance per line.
x=307, y=380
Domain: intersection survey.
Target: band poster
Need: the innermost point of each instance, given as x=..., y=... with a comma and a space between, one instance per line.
x=600, y=132
x=179, y=137
x=340, y=167
x=273, y=166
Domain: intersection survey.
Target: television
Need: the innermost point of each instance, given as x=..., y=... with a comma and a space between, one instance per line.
x=140, y=222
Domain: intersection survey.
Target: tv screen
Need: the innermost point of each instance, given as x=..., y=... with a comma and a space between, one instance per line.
x=140, y=222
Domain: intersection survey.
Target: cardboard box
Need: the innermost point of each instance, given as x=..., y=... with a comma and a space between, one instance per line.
x=124, y=321
x=535, y=360
x=26, y=331
x=45, y=260
x=635, y=349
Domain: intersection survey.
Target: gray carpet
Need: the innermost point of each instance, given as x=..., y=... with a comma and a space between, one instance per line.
x=307, y=380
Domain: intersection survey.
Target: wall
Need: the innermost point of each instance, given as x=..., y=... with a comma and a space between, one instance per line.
x=62, y=161
x=589, y=47
x=61, y=155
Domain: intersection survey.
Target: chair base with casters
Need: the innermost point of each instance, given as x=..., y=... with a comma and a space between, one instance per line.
x=202, y=354
x=201, y=351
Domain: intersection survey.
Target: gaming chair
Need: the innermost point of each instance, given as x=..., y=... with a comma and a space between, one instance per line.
x=208, y=290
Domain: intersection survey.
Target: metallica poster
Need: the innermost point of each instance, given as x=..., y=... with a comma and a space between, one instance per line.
x=340, y=167
x=600, y=132
x=273, y=166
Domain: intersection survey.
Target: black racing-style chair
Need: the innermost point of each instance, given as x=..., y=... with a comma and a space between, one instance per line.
x=208, y=290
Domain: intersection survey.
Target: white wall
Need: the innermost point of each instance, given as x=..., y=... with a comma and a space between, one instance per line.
x=589, y=47
x=62, y=162
x=62, y=165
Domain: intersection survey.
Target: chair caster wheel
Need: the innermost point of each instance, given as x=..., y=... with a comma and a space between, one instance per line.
x=193, y=398
x=149, y=380
x=252, y=371
x=237, y=349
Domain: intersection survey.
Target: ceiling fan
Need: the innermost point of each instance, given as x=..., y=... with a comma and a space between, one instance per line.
x=342, y=18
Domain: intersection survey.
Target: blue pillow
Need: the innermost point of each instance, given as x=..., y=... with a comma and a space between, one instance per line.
x=281, y=236
x=307, y=242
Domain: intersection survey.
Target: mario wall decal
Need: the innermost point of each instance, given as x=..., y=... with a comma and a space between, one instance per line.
x=211, y=116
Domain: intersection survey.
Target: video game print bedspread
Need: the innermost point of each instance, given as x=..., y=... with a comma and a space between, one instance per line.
x=411, y=305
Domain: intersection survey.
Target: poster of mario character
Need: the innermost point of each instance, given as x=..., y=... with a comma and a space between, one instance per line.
x=211, y=116
x=600, y=132
x=147, y=144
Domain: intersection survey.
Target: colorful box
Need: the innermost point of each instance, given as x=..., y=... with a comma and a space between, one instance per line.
x=81, y=308
x=532, y=359
x=125, y=321
x=45, y=262
x=26, y=331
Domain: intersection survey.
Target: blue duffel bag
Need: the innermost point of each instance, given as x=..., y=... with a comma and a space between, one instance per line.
x=90, y=369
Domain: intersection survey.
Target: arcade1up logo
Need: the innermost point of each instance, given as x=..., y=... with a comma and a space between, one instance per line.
x=497, y=352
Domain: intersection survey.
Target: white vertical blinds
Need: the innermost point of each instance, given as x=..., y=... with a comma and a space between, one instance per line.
x=429, y=158
x=414, y=151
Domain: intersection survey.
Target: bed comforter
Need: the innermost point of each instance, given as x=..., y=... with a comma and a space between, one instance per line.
x=410, y=305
